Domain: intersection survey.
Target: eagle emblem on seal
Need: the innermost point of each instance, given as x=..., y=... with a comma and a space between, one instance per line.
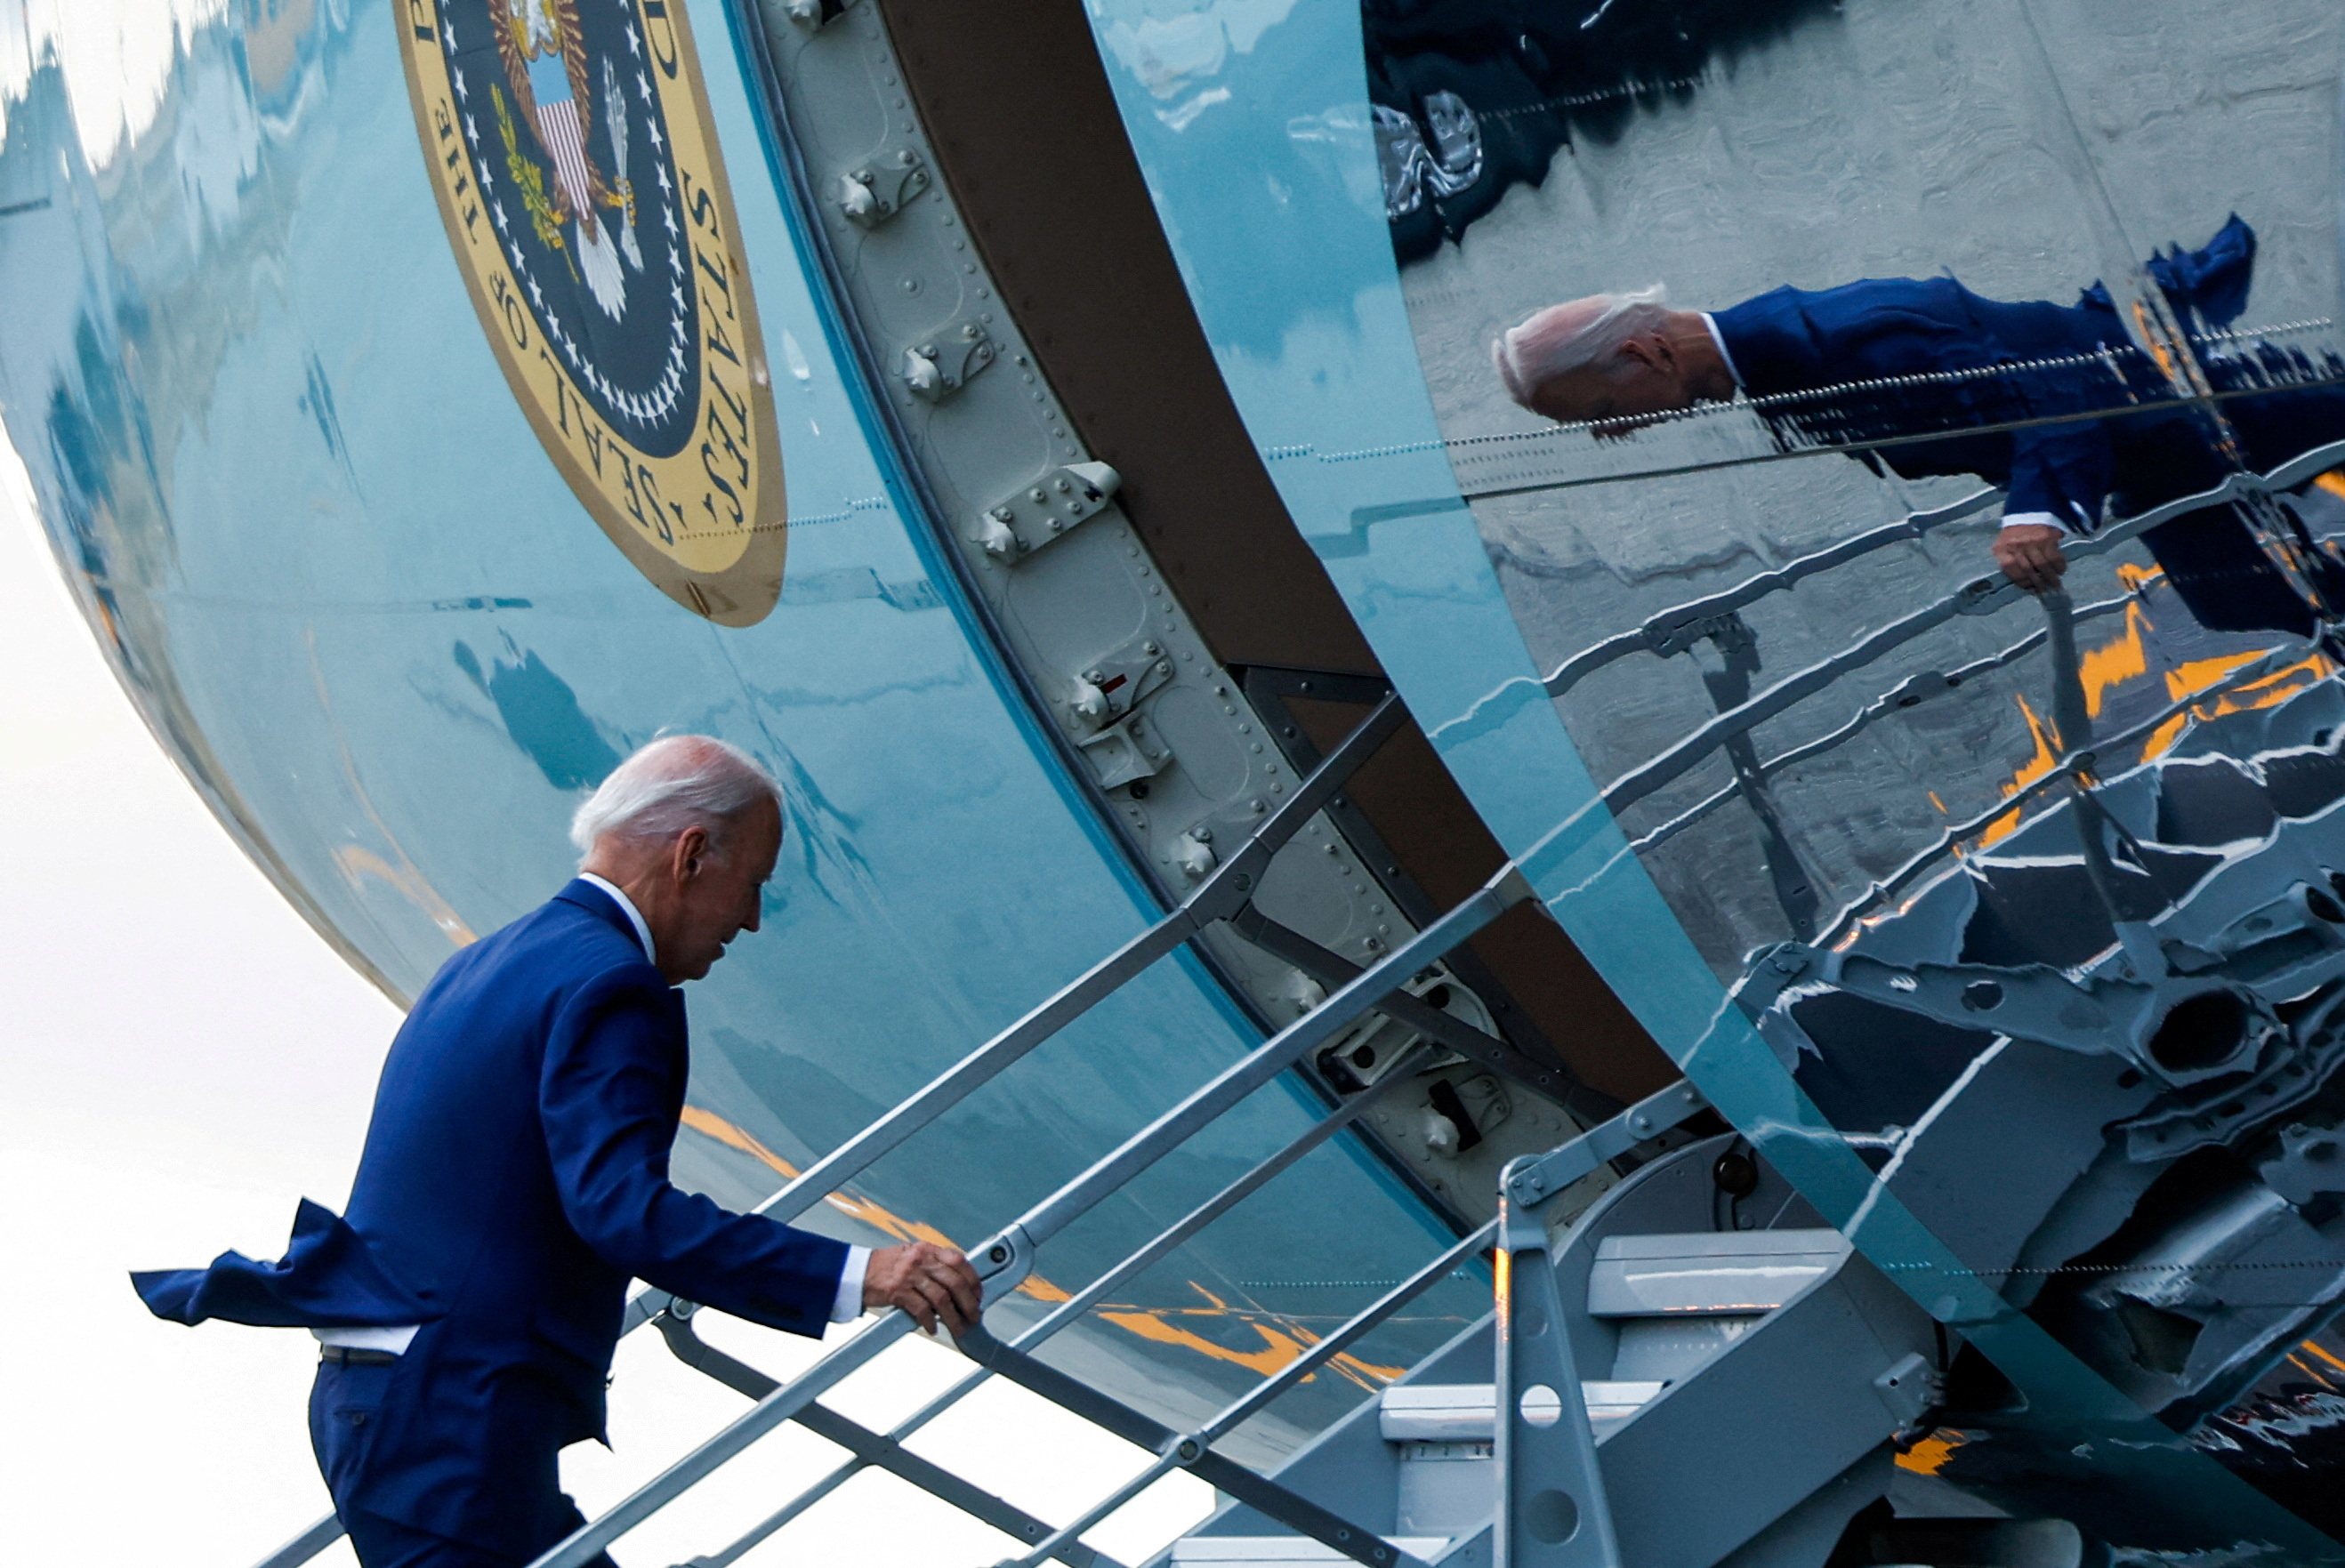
x=545, y=52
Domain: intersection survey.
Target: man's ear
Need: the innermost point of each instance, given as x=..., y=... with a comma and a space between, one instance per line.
x=691, y=851
x=1651, y=350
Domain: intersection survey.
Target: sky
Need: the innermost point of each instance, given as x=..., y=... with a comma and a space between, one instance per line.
x=182, y=1058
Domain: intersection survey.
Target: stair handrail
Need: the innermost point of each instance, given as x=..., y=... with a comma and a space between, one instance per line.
x=1004, y=1261
x=1907, y=693
x=1080, y=1303
x=1979, y=596
x=1674, y=630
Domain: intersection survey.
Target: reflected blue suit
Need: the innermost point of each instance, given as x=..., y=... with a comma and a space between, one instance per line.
x=1791, y=341
x=515, y=1177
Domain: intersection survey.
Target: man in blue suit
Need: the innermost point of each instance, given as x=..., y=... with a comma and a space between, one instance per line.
x=515, y=1177
x=2051, y=402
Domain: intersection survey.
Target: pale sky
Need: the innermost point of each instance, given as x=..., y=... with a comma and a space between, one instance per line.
x=181, y=1059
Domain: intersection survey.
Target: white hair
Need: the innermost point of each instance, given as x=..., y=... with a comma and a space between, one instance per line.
x=1573, y=336
x=675, y=782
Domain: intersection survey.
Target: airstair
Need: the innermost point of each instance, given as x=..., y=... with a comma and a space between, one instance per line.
x=1743, y=1379
x=1695, y=1369
x=1740, y=1395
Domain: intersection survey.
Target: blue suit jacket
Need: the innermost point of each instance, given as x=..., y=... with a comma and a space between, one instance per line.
x=1791, y=340
x=1877, y=331
x=515, y=1175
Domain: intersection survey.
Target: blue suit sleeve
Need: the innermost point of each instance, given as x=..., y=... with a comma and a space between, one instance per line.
x=2064, y=468
x=608, y=1099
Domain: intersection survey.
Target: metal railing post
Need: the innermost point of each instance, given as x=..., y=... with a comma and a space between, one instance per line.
x=1552, y=1512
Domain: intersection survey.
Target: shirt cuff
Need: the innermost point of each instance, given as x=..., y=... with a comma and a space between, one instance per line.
x=2035, y=519
x=848, y=1305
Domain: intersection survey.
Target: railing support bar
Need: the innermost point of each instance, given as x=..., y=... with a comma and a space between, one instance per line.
x=869, y=1448
x=784, y=1403
x=1257, y=1491
x=306, y=1545
x=1082, y=1302
x=1252, y=1402
x=1223, y=892
x=1552, y=1510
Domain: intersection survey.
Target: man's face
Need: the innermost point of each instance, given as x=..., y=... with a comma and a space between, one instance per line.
x=720, y=899
x=1643, y=381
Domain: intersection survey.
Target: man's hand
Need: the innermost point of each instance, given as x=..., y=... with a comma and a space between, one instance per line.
x=2029, y=554
x=929, y=1281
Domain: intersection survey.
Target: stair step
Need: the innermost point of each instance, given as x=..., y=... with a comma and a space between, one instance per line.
x=1237, y=1551
x=1728, y=1271
x=1467, y=1412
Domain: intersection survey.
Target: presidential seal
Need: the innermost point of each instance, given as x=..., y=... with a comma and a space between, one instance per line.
x=569, y=145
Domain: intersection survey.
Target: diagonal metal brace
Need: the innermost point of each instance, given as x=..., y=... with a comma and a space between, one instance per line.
x=868, y=1446
x=1333, y=970
x=1259, y=1493
x=1532, y=1180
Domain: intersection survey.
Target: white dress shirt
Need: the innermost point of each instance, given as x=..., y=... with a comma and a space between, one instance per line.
x=1709, y=321
x=2010, y=519
x=846, y=1305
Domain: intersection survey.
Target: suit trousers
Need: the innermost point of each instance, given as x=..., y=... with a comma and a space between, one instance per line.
x=342, y=1407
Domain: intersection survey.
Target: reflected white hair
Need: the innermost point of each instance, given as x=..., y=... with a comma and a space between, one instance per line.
x=1573, y=336
x=675, y=782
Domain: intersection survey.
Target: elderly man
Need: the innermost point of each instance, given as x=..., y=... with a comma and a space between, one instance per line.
x=1840, y=367
x=516, y=1175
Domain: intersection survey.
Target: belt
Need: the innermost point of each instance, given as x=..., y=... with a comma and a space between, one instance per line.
x=351, y=1356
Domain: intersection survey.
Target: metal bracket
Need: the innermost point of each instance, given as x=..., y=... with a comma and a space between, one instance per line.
x=1113, y=684
x=1667, y=638
x=1125, y=751
x=1912, y=1389
x=1046, y=509
x=1003, y=1263
x=1404, y=1007
x=814, y=14
x=937, y=368
x=871, y=193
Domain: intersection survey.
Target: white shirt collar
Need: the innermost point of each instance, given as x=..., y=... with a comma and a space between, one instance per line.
x=1709, y=321
x=626, y=907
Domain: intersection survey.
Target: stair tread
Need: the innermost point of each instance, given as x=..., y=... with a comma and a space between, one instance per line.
x=1285, y=1548
x=1467, y=1412
x=1707, y=1273
x=1721, y=1243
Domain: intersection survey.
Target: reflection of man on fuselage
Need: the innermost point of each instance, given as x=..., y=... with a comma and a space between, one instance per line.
x=1825, y=368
